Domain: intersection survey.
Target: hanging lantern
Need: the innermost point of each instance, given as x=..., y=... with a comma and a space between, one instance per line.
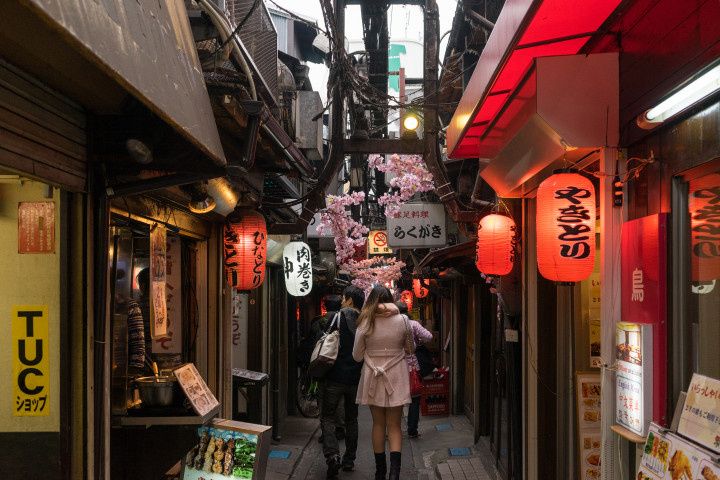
x=297, y=266
x=496, y=245
x=245, y=241
x=565, y=227
x=704, y=209
x=418, y=288
x=407, y=297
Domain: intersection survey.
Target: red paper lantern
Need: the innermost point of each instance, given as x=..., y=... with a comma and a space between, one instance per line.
x=704, y=209
x=496, y=245
x=323, y=308
x=245, y=250
x=418, y=289
x=407, y=297
x=565, y=227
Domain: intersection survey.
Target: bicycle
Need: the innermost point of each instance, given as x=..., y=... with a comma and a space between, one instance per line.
x=308, y=394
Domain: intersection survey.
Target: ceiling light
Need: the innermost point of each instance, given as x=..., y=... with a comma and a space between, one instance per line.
x=139, y=151
x=700, y=88
x=200, y=201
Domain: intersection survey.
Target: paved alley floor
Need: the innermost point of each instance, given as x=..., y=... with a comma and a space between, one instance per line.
x=426, y=458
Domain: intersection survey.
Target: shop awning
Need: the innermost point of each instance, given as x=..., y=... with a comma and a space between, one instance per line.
x=525, y=30
x=440, y=256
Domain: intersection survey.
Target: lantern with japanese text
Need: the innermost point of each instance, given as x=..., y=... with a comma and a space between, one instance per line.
x=297, y=267
x=419, y=289
x=565, y=225
x=245, y=245
x=704, y=211
x=496, y=245
x=407, y=297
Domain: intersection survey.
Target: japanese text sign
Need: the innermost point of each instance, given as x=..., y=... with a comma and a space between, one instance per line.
x=634, y=377
x=31, y=367
x=419, y=225
x=297, y=267
x=378, y=243
x=36, y=227
x=700, y=418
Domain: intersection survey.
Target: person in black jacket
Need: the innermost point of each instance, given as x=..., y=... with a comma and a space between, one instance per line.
x=340, y=387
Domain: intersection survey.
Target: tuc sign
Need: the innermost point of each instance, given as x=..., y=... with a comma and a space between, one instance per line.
x=31, y=370
x=419, y=225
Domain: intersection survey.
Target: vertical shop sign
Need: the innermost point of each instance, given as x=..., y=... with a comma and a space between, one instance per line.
x=171, y=341
x=239, y=317
x=704, y=210
x=643, y=275
x=158, y=280
x=589, y=392
x=418, y=225
x=36, y=227
x=297, y=267
x=31, y=370
x=700, y=418
x=634, y=377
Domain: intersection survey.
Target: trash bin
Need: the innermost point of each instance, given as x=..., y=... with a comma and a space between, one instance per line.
x=252, y=384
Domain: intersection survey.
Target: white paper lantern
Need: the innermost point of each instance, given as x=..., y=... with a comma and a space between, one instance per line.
x=297, y=268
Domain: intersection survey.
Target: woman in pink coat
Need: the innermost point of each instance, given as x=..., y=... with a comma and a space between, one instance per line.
x=384, y=385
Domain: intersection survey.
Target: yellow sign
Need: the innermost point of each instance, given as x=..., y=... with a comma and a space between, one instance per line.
x=31, y=369
x=378, y=243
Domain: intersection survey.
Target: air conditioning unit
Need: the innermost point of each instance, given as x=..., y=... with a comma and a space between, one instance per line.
x=308, y=132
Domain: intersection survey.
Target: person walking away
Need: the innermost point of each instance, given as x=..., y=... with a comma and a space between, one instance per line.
x=340, y=390
x=381, y=341
x=420, y=336
x=333, y=304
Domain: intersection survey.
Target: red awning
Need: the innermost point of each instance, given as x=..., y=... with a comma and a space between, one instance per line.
x=525, y=30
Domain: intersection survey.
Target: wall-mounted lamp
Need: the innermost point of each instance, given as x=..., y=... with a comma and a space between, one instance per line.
x=139, y=151
x=704, y=85
x=200, y=201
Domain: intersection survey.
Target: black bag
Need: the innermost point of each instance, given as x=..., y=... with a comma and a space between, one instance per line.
x=425, y=361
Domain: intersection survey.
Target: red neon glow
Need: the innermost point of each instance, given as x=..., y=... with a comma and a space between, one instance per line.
x=566, y=227
x=496, y=245
x=407, y=297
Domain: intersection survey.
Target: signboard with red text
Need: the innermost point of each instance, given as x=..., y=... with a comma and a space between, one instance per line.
x=420, y=225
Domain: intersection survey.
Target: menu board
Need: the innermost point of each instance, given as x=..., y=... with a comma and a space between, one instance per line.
x=669, y=456
x=700, y=418
x=228, y=450
x=196, y=390
x=633, y=381
x=589, y=434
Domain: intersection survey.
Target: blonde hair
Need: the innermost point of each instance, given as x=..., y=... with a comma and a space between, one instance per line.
x=378, y=295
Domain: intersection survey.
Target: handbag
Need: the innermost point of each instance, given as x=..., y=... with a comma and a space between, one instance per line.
x=416, y=385
x=326, y=350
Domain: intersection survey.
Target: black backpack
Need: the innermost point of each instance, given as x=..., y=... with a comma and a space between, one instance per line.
x=425, y=361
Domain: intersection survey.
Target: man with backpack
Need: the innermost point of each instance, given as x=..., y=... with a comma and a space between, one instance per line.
x=340, y=385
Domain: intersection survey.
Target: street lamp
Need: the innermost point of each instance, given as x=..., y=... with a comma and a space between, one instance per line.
x=411, y=122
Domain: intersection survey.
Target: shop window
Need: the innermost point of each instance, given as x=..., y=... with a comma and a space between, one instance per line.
x=702, y=260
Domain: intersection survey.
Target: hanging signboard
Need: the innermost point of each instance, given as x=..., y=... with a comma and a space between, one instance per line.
x=667, y=456
x=196, y=390
x=171, y=342
x=378, y=243
x=420, y=225
x=700, y=418
x=31, y=366
x=589, y=432
x=297, y=266
x=36, y=227
x=644, y=293
x=158, y=279
x=239, y=316
x=634, y=377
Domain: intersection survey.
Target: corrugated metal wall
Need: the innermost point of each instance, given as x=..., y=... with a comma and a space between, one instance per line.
x=259, y=36
x=41, y=132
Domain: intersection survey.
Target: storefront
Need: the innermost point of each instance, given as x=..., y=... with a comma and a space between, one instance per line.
x=524, y=118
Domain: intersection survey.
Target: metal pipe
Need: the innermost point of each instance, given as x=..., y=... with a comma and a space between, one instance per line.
x=483, y=21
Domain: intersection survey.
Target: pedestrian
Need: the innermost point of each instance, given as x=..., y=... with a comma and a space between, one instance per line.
x=340, y=389
x=333, y=304
x=382, y=341
x=420, y=336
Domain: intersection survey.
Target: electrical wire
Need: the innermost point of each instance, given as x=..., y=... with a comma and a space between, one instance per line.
x=238, y=28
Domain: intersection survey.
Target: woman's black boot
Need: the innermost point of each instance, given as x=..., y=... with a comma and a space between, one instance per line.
x=395, y=465
x=380, y=466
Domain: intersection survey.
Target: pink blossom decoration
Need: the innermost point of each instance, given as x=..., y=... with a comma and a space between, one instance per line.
x=376, y=270
x=410, y=176
x=347, y=232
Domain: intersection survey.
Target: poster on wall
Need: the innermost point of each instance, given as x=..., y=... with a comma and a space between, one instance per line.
x=196, y=390
x=667, y=456
x=158, y=279
x=31, y=367
x=228, y=450
x=36, y=227
x=700, y=417
x=633, y=379
x=171, y=342
x=589, y=423
x=419, y=225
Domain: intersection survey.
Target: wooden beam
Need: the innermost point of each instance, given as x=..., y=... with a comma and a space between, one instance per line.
x=382, y=145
